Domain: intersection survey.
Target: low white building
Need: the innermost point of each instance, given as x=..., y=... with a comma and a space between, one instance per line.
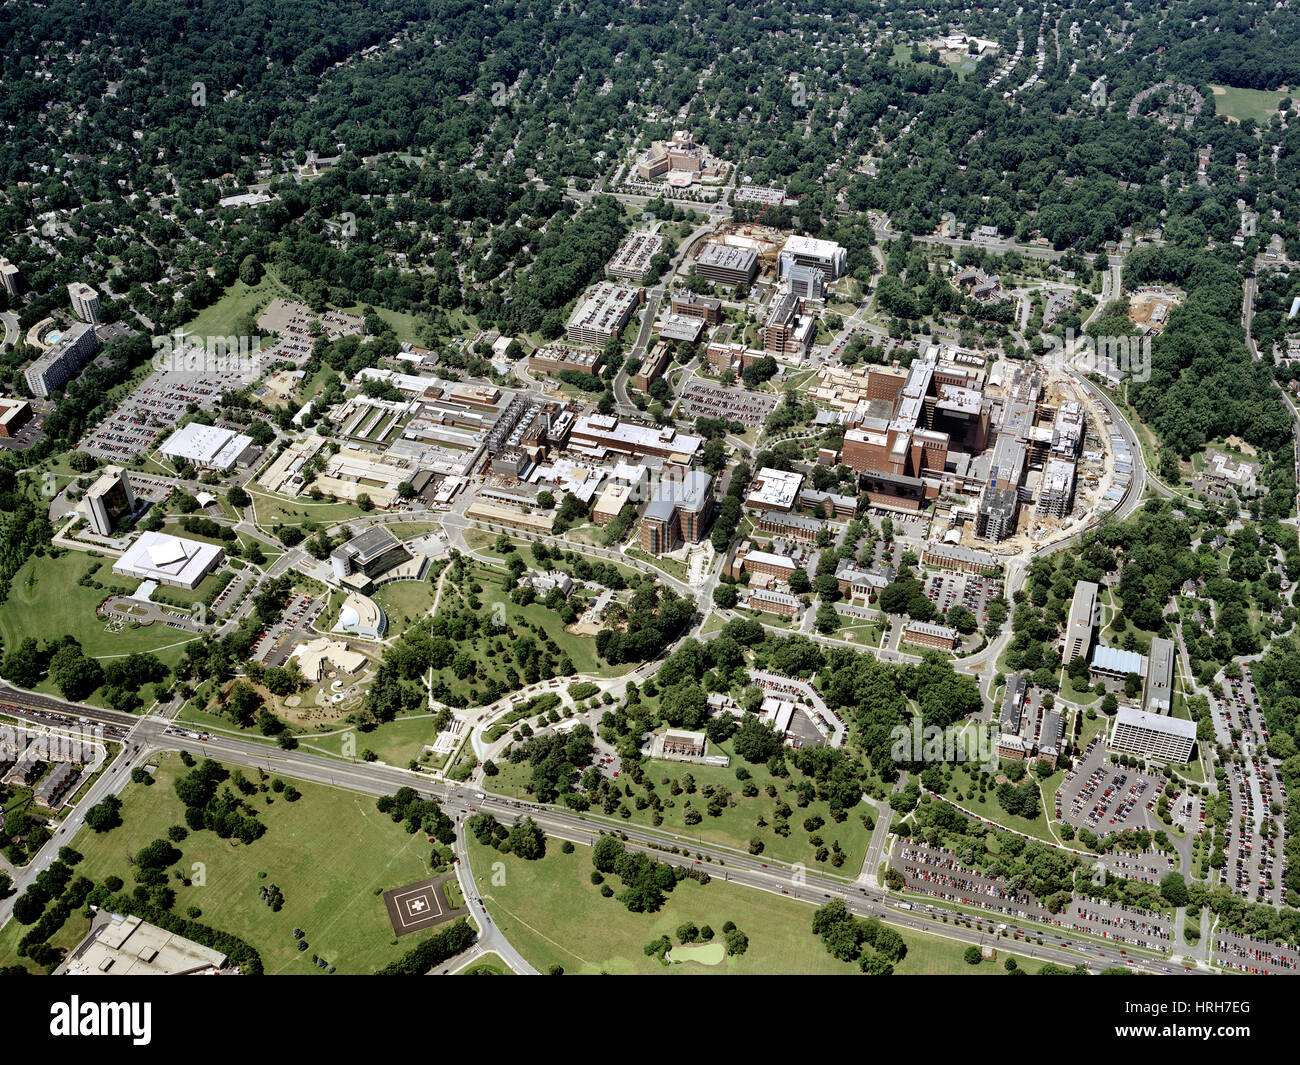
x=169, y=560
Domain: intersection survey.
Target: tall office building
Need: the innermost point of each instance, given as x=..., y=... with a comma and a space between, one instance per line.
x=1169, y=739
x=108, y=499
x=1085, y=611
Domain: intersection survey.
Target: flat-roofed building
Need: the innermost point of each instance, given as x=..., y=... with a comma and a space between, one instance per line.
x=14, y=414
x=732, y=357
x=108, y=500
x=538, y=521
x=692, y=306
x=209, y=447
x=169, y=560
x=631, y=262
x=806, y=282
x=611, y=502
x=681, y=329
x=129, y=946
x=998, y=511
x=85, y=302
x=1113, y=665
x=1167, y=739
x=727, y=264
x=1056, y=489
x=373, y=552
x=556, y=358
x=601, y=313
x=600, y=433
x=1159, y=695
x=654, y=364
x=786, y=330
x=10, y=277
x=826, y=255
x=774, y=489
x=678, y=512
x=62, y=360
x=1085, y=614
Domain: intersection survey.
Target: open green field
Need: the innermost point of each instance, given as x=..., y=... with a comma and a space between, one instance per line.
x=405, y=602
x=553, y=915
x=990, y=809
x=484, y=543
x=272, y=510
x=328, y=853
x=46, y=602
x=395, y=742
x=738, y=823
x=223, y=318
x=1258, y=104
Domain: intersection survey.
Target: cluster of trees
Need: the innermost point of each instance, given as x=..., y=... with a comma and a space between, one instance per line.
x=555, y=759
x=652, y=619
x=876, y=948
x=1203, y=384
x=645, y=881
x=210, y=806
x=523, y=839
x=440, y=946
x=419, y=815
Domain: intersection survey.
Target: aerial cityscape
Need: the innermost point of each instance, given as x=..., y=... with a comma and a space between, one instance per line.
x=586, y=488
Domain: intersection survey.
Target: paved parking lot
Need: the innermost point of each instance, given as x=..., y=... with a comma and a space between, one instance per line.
x=935, y=871
x=1245, y=954
x=292, y=627
x=1106, y=798
x=1256, y=866
x=970, y=590
x=735, y=404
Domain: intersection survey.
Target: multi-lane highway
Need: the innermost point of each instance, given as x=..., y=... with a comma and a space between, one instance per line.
x=146, y=736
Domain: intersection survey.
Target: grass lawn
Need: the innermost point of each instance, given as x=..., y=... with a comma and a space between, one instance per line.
x=669, y=565
x=403, y=325
x=405, y=602
x=737, y=824
x=1258, y=104
x=991, y=809
x=395, y=742
x=581, y=650
x=46, y=602
x=489, y=964
x=552, y=913
x=223, y=317
x=272, y=510
x=484, y=543
x=328, y=853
